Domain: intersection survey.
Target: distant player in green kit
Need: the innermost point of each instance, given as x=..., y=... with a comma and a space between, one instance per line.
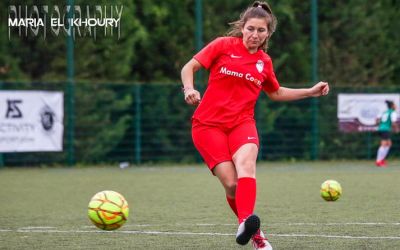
x=387, y=124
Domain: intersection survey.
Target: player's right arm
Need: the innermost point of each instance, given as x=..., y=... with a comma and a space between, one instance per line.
x=192, y=96
x=204, y=58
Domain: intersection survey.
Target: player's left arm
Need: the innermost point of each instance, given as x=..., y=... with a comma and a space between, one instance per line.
x=395, y=125
x=396, y=128
x=290, y=94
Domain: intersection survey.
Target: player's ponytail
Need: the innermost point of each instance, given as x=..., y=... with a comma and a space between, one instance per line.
x=390, y=104
x=262, y=5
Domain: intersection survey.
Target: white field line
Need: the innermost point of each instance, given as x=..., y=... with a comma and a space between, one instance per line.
x=34, y=228
x=199, y=234
x=273, y=224
x=45, y=229
x=337, y=236
x=339, y=224
x=308, y=224
x=223, y=224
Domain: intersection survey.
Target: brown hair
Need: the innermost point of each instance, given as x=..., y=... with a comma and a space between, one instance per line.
x=390, y=104
x=256, y=10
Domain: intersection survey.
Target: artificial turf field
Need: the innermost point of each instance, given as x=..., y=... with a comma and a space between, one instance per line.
x=183, y=207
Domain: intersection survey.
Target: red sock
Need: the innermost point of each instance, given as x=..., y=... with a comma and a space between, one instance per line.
x=245, y=197
x=232, y=204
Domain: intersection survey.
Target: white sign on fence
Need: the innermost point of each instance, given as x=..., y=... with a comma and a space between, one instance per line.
x=358, y=112
x=31, y=121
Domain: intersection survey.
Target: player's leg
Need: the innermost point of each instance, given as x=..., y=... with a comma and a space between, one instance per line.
x=212, y=144
x=383, y=149
x=245, y=162
x=379, y=154
x=386, y=148
x=243, y=142
x=226, y=174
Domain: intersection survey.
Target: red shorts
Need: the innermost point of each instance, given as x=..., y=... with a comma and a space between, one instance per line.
x=218, y=144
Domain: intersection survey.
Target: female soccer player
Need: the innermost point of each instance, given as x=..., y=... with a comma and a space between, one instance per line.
x=386, y=124
x=223, y=126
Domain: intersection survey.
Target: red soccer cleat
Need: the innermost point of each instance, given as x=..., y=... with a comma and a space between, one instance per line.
x=260, y=242
x=381, y=164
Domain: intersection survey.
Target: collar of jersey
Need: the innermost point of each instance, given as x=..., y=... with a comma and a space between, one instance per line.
x=244, y=49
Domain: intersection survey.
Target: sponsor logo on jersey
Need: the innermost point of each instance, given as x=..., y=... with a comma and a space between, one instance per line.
x=228, y=72
x=246, y=76
x=234, y=56
x=260, y=66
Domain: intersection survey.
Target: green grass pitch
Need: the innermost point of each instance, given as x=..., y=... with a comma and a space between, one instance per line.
x=183, y=207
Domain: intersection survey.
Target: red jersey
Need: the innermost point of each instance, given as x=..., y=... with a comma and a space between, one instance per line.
x=235, y=82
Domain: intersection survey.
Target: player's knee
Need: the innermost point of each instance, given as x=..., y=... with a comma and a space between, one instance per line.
x=230, y=188
x=246, y=168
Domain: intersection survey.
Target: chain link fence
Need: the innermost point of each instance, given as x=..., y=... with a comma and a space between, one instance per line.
x=150, y=123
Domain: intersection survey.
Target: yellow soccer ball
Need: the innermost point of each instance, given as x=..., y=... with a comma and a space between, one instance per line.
x=108, y=210
x=331, y=190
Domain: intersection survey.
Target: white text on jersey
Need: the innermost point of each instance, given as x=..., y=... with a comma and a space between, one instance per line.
x=247, y=76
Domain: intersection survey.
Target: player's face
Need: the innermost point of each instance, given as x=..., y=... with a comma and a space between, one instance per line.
x=254, y=31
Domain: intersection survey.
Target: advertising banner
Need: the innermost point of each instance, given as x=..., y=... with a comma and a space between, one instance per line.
x=31, y=121
x=359, y=112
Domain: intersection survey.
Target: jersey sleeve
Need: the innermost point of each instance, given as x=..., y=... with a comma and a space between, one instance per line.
x=270, y=84
x=208, y=54
x=393, y=117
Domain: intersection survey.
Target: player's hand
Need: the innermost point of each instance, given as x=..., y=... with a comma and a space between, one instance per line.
x=320, y=89
x=192, y=96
